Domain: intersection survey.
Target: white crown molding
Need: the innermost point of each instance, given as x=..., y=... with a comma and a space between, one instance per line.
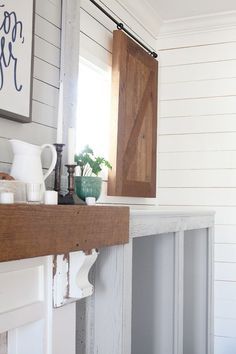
x=145, y=14
x=198, y=24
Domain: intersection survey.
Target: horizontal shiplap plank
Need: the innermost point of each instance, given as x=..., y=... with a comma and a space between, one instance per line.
x=95, y=30
x=47, y=31
x=49, y=10
x=225, y=253
x=201, y=124
x=198, y=196
x=44, y=114
x=195, y=72
x=198, y=107
x=46, y=51
x=225, y=290
x=212, y=35
x=198, y=178
x=225, y=309
x=225, y=271
x=46, y=72
x=198, y=54
x=198, y=89
x=197, y=160
x=45, y=93
x=225, y=328
x=224, y=345
x=94, y=52
x=225, y=234
x=198, y=142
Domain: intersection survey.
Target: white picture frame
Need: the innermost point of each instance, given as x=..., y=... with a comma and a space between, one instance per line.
x=16, y=59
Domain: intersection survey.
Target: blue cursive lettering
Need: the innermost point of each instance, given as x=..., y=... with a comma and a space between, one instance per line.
x=11, y=33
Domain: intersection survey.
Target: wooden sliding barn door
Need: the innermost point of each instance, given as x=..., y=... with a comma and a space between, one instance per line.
x=134, y=120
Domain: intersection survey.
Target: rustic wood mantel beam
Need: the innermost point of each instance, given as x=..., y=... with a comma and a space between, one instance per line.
x=28, y=231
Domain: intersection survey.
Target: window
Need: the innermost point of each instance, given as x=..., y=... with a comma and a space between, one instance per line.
x=93, y=108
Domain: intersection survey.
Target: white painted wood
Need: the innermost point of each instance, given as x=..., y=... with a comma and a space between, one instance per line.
x=179, y=292
x=198, y=106
x=153, y=222
x=70, y=280
x=27, y=283
x=198, y=196
x=225, y=234
x=225, y=271
x=64, y=330
x=96, y=31
x=196, y=72
x=47, y=31
x=46, y=72
x=203, y=88
x=195, y=292
x=93, y=52
x=225, y=345
x=3, y=343
x=28, y=313
x=197, y=124
x=45, y=93
x=225, y=327
x=198, y=142
x=154, y=307
x=225, y=291
x=210, y=290
x=104, y=323
x=208, y=36
x=50, y=10
x=47, y=51
x=213, y=178
x=199, y=30
x=80, y=265
x=192, y=160
x=225, y=253
x=198, y=54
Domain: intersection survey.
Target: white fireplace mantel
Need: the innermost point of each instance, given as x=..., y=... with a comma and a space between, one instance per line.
x=104, y=324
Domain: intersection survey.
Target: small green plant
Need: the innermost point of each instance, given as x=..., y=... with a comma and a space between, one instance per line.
x=90, y=164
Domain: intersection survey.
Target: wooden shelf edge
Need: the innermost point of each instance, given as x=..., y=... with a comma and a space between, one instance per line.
x=28, y=231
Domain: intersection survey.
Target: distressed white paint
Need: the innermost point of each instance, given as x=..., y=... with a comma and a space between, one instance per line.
x=109, y=311
x=70, y=280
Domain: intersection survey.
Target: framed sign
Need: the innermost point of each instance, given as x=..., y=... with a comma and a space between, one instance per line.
x=16, y=59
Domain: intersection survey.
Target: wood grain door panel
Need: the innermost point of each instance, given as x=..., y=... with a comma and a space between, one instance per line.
x=134, y=120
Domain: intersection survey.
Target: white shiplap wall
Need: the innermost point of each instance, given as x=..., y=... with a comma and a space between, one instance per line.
x=197, y=149
x=45, y=85
x=96, y=46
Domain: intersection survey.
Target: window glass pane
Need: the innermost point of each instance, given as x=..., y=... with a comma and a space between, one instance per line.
x=93, y=108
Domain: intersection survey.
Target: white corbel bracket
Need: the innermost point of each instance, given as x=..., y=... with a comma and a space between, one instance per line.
x=70, y=277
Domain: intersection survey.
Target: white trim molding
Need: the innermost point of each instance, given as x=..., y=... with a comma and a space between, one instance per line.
x=199, y=30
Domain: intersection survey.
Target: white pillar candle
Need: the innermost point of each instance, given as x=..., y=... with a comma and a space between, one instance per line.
x=7, y=198
x=71, y=146
x=51, y=198
x=90, y=201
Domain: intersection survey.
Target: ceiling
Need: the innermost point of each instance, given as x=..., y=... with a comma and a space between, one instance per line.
x=175, y=9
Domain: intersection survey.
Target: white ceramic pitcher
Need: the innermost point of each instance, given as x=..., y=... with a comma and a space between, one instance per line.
x=27, y=165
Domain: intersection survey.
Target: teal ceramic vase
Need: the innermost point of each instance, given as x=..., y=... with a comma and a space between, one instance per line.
x=86, y=186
